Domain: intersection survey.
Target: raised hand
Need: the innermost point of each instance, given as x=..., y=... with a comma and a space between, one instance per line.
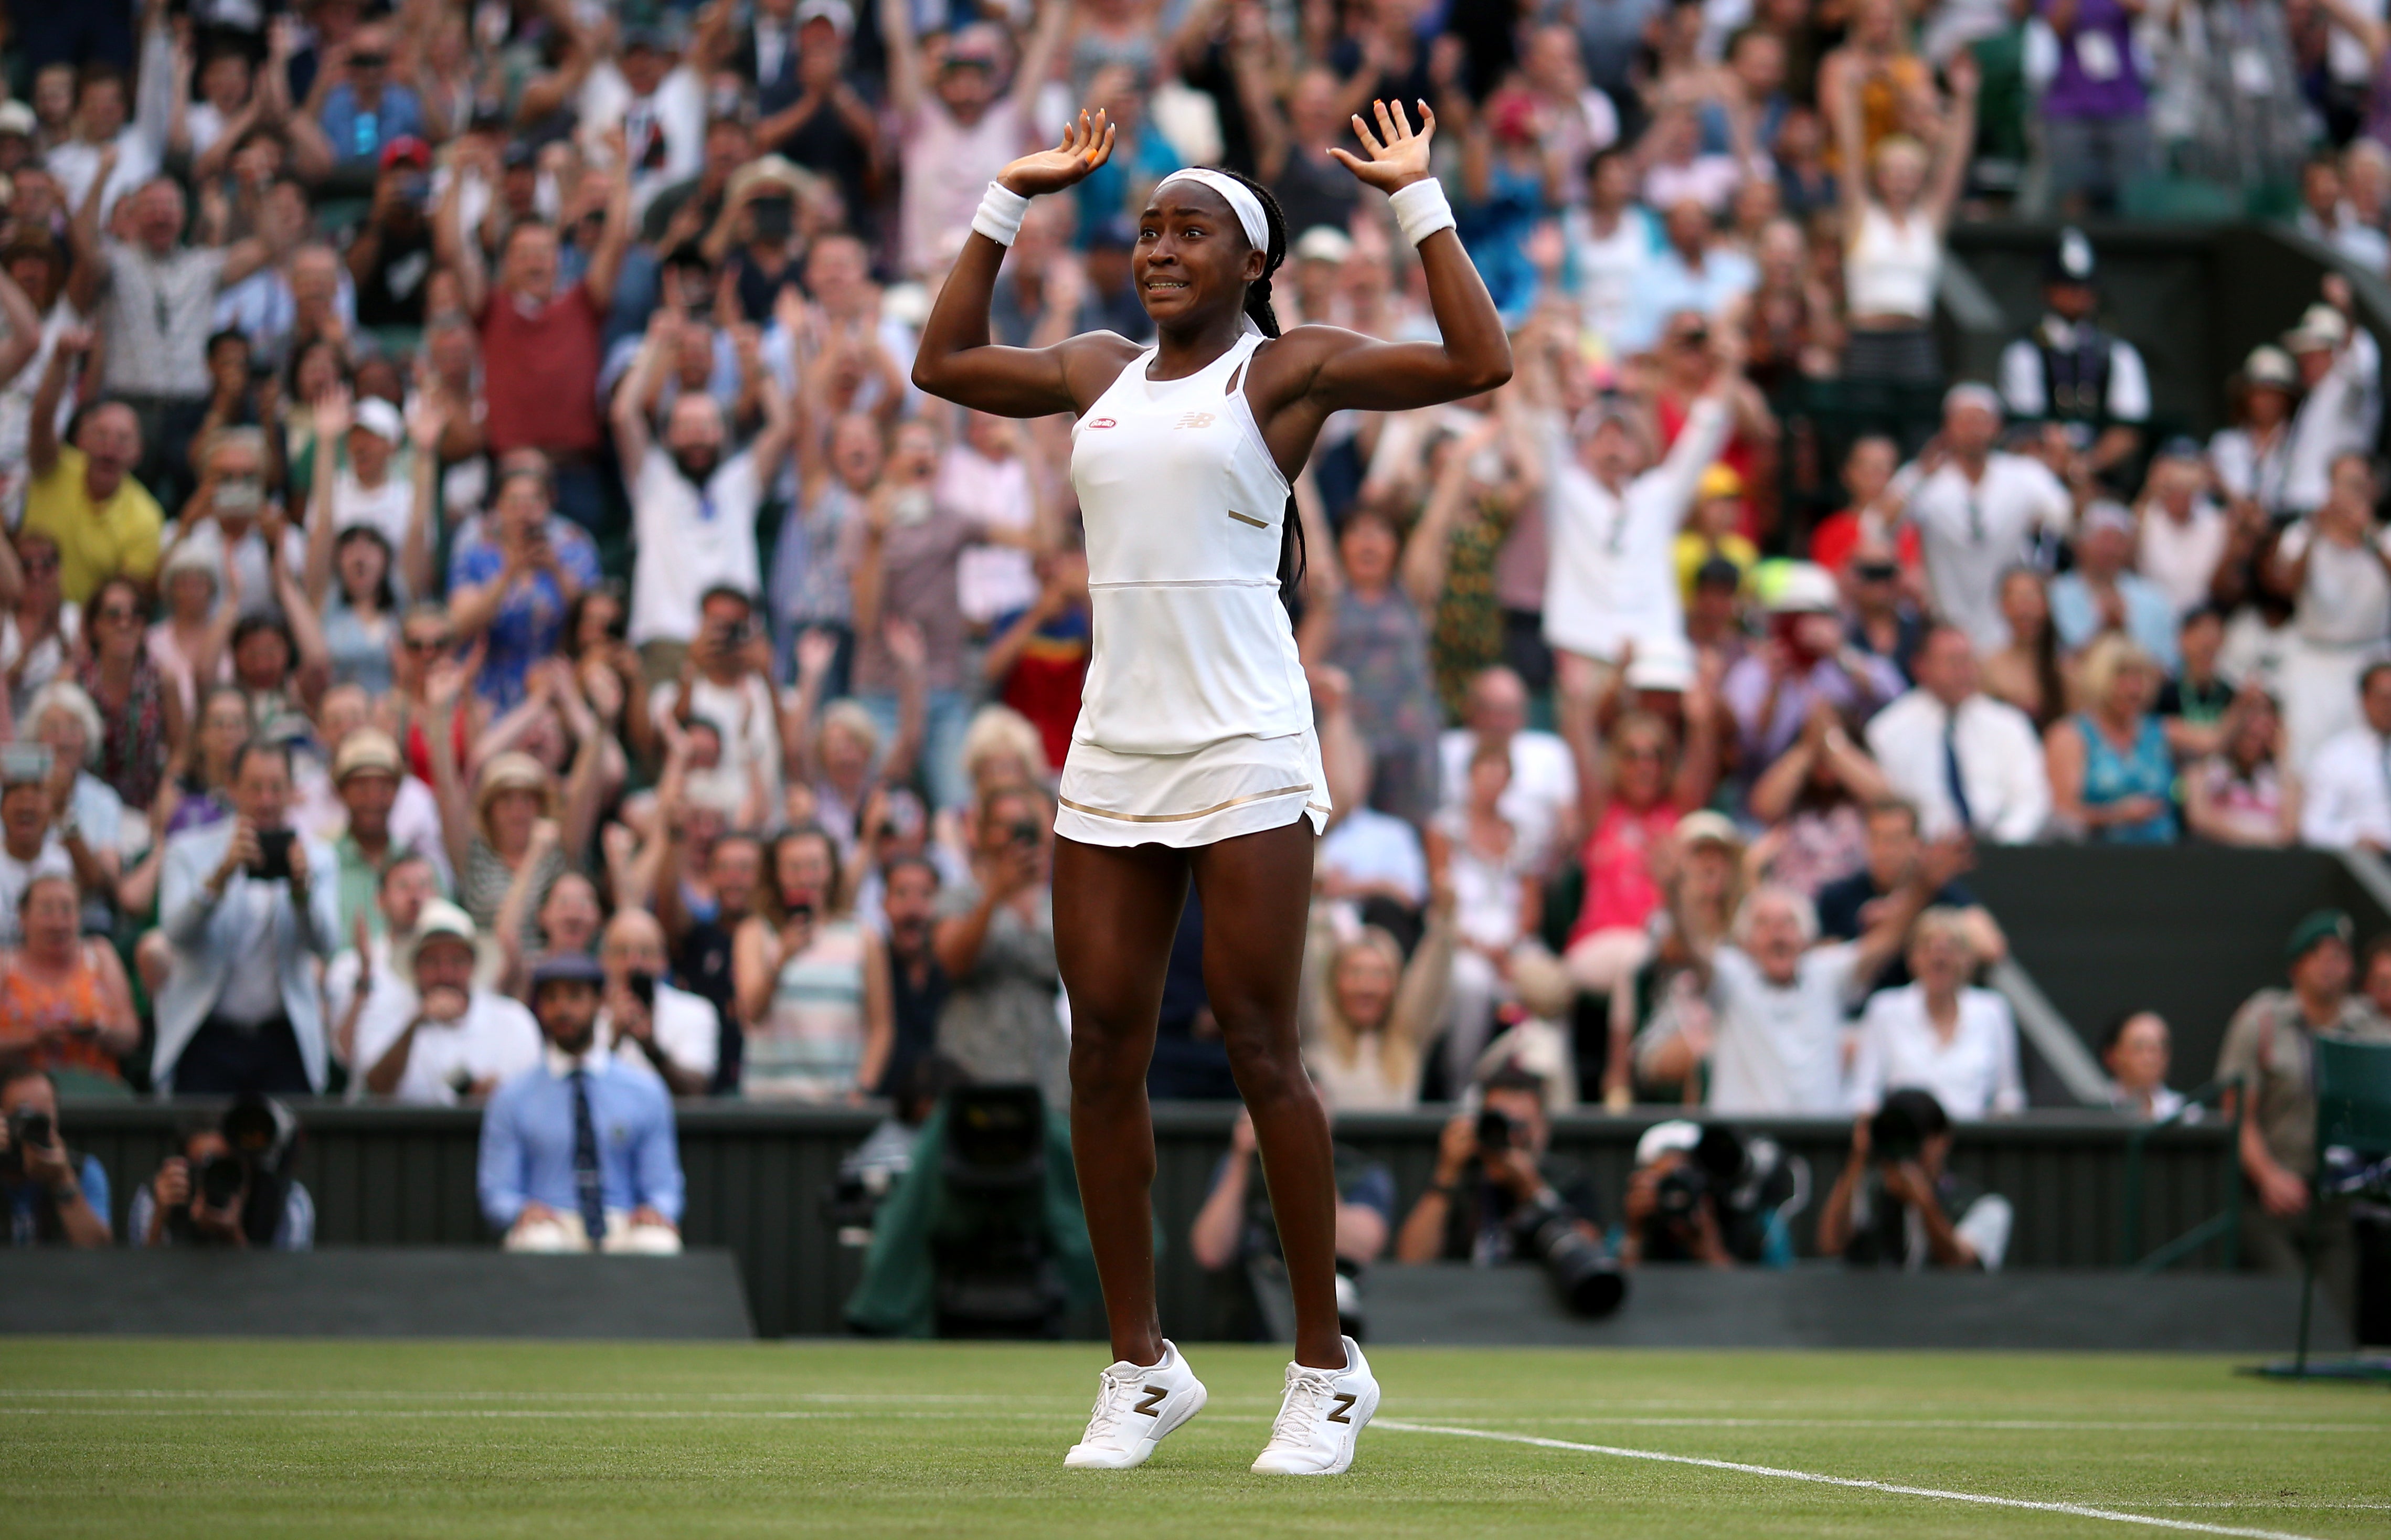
x=1087, y=144
x=1398, y=155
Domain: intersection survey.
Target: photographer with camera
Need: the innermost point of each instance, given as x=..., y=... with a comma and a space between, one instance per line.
x=1710, y=1196
x=51, y=1198
x=1497, y=1199
x=1235, y=1233
x=231, y=1186
x=444, y=1039
x=249, y=922
x=1895, y=1206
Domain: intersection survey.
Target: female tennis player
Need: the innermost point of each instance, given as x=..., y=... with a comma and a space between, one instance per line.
x=1195, y=751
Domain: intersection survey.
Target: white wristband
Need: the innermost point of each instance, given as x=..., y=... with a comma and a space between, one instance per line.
x=1421, y=210
x=1000, y=213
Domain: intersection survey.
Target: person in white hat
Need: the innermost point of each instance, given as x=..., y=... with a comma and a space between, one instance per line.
x=2341, y=371
x=1806, y=660
x=2253, y=458
x=369, y=433
x=438, y=1039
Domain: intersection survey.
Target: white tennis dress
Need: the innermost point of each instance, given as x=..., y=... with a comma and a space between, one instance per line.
x=1196, y=721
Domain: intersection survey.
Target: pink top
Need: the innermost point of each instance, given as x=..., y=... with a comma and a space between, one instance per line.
x=948, y=168
x=1619, y=892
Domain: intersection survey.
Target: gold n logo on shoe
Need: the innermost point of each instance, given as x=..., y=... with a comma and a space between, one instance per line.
x=1154, y=1396
x=1344, y=1405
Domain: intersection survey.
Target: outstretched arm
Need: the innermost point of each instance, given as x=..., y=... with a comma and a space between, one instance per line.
x=1318, y=370
x=955, y=360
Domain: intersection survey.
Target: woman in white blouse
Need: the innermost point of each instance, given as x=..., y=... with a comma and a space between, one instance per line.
x=1939, y=1034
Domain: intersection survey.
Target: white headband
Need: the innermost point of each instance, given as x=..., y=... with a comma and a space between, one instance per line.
x=1241, y=201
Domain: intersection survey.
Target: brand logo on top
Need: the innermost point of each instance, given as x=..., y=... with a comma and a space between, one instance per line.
x=1103, y=422
x=1193, y=420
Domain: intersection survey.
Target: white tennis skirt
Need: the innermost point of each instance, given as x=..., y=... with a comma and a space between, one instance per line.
x=1234, y=786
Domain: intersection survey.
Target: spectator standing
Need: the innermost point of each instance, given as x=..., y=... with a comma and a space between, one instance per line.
x=812, y=981
x=2070, y=371
x=2348, y=805
x=1975, y=507
x=957, y=128
x=540, y=352
x=49, y=1196
x=1965, y=761
x=1613, y=515
x=437, y=1039
x=1779, y=1003
x=512, y=580
x=1369, y=628
x=83, y=497
x=2335, y=566
x=1372, y=1014
x=548, y=1180
x=1938, y=1033
x=367, y=112
x=995, y=941
x=2251, y=457
x=2027, y=672
x=157, y=311
x=917, y=985
x=1896, y=215
x=240, y=1010
x=143, y=716
x=1541, y=799
x=2341, y=409
x=2183, y=529
x=1806, y=662
x=2112, y=774
x=692, y=504
x=2095, y=109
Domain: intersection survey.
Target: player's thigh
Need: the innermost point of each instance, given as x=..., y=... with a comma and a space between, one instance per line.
x=1257, y=894
x=1116, y=914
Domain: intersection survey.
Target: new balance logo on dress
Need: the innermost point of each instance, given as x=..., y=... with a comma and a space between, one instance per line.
x=1193, y=420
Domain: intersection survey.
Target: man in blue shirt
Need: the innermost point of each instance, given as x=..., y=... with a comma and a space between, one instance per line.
x=578, y=1153
x=367, y=110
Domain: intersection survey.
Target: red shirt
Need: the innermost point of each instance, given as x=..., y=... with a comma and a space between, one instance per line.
x=1831, y=542
x=540, y=372
x=1619, y=892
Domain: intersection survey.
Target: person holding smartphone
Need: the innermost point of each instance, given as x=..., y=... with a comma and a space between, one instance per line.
x=246, y=920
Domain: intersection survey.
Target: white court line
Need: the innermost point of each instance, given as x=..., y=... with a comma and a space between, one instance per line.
x=2076, y=1510
x=2007, y=1425
x=398, y=1414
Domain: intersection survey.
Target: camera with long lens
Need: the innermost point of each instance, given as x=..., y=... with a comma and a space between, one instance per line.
x=992, y=1255
x=1677, y=1196
x=1588, y=1281
x=1497, y=1130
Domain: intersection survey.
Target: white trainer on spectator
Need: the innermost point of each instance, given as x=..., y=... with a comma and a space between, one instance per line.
x=1324, y=1414
x=1135, y=1410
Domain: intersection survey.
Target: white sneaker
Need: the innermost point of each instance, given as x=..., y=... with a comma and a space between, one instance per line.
x=1137, y=1408
x=1324, y=1414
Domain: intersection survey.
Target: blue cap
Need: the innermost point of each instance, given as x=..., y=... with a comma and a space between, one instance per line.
x=566, y=967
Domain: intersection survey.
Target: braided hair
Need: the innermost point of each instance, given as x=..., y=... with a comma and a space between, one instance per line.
x=1292, y=557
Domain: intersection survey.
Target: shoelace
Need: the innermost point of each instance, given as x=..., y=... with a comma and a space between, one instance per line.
x=1112, y=1404
x=1307, y=1391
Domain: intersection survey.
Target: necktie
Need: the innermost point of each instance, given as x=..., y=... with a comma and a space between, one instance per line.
x=585, y=1179
x=1957, y=783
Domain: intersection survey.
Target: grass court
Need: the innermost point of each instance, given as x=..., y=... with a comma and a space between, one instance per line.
x=170, y=1438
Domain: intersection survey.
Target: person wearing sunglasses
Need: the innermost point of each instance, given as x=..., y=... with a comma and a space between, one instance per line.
x=364, y=109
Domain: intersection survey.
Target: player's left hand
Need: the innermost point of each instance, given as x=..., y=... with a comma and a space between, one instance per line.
x=1398, y=155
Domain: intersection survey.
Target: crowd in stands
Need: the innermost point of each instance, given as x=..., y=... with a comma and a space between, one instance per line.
x=469, y=523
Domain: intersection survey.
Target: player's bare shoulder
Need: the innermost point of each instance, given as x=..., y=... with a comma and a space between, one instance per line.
x=1091, y=361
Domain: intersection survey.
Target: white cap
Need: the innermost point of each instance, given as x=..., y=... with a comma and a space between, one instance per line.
x=1805, y=587
x=17, y=118
x=381, y=418
x=1324, y=243
x=839, y=13
x=1664, y=662
x=1661, y=1138
x=2321, y=328
x=439, y=918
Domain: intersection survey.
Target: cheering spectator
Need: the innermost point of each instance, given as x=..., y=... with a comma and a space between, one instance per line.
x=1812, y=798
x=1938, y=1033
x=82, y=497
x=2026, y=672
x=511, y=579
x=65, y=1005
x=1369, y=630
x=1896, y=213
x=2335, y=566
x=2251, y=457
x=1806, y=663
x=2104, y=594
x=1974, y=507
x=812, y=981
x=2112, y=775
x=143, y=716
x=957, y=128
x=2341, y=375
x=1372, y=1013
x=995, y=941
x=2183, y=530
x=644, y=1021
x=1967, y=763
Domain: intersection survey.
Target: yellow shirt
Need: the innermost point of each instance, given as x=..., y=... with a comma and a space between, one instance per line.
x=1694, y=548
x=96, y=541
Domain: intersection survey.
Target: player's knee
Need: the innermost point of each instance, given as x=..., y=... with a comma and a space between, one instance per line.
x=1105, y=1062
x=1266, y=1065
